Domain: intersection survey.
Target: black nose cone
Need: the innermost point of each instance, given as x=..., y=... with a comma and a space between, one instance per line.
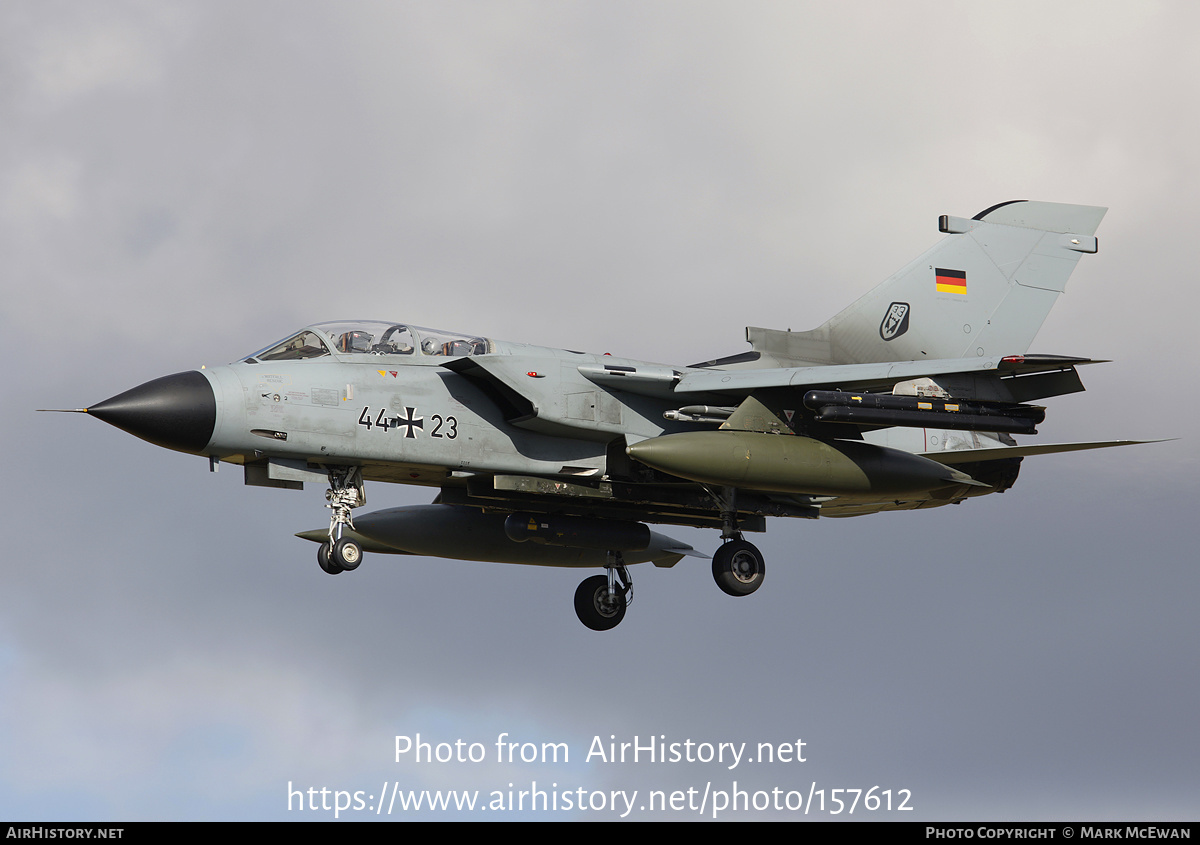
x=178, y=412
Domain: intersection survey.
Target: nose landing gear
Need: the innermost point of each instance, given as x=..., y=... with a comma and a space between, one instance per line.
x=342, y=554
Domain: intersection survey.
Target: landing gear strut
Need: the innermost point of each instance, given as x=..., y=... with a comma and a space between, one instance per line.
x=346, y=491
x=738, y=566
x=600, y=601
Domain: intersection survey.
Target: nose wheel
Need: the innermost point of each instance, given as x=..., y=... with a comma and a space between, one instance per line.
x=343, y=556
x=325, y=563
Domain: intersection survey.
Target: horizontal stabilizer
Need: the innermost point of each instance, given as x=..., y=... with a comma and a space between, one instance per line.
x=970, y=456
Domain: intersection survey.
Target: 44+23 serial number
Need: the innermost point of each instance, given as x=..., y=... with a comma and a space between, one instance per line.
x=440, y=426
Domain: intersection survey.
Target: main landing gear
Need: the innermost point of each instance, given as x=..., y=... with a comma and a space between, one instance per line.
x=342, y=554
x=600, y=601
x=738, y=567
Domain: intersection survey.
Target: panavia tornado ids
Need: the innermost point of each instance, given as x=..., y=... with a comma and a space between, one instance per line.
x=910, y=398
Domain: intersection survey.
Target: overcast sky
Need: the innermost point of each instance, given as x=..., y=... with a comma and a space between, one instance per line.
x=184, y=182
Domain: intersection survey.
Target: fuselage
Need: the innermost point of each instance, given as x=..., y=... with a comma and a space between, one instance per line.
x=409, y=405
x=333, y=394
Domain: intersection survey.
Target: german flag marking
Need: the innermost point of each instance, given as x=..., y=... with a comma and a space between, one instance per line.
x=950, y=281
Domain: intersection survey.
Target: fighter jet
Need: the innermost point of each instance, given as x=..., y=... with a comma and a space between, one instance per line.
x=908, y=399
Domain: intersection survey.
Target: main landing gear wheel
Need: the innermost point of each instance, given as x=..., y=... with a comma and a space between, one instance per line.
x=738, y=568
x=346, y=554
x=595, y=607
x=325, y=563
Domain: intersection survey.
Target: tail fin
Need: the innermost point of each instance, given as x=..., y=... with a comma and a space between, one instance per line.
x=985, y=289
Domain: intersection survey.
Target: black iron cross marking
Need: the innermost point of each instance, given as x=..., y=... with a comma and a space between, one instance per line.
x=410, y=422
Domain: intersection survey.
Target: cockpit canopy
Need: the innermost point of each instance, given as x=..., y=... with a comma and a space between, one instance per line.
x=370, y=338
